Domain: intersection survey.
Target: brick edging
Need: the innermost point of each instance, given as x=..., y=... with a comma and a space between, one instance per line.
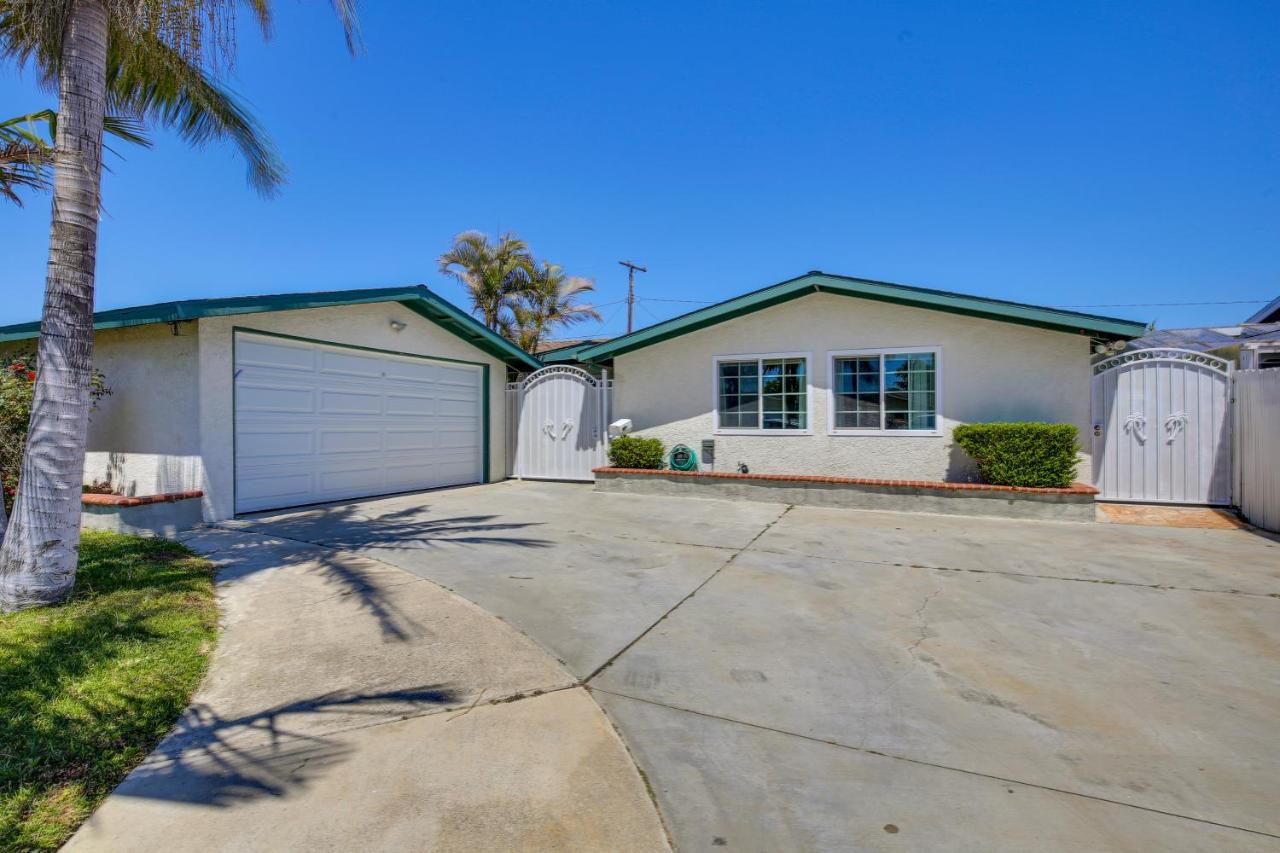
x=129, y=500
x=1074, y=489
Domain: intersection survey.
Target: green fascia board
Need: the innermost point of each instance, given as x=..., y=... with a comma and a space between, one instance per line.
x=1055, y=319
x=417, y=298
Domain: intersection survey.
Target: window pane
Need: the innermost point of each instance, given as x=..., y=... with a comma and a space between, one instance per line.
x=773, y=402
x=895, y=401
x=919, y=421
x=773, y=420
x=738, y=400
x=896, y=420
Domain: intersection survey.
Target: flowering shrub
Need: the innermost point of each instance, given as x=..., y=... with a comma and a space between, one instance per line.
x=17, y=384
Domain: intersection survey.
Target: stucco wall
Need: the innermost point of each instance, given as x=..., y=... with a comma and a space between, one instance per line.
x=990, y=371
x=144, y=438
x=359, y=325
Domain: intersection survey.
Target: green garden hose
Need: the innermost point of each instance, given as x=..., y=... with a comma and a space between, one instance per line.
x=682, y=458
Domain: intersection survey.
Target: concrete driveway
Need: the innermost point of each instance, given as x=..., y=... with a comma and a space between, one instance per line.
x=795, y=678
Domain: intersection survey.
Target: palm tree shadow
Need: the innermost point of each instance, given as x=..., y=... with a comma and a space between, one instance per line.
x=214, y=761
x=343, y=526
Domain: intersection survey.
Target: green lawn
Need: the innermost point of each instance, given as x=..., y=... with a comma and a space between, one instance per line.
x=87, y=688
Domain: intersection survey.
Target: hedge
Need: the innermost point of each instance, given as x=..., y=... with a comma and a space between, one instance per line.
x=1022, y=454
x=631, y=451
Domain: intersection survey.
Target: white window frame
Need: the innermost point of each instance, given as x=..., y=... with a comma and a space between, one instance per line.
x=759, y=357
x=832, y=355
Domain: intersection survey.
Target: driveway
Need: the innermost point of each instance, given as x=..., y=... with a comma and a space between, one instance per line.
x=799, y=678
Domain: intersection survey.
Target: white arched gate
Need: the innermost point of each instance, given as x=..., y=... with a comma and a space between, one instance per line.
x=559, y=418
x=1161, y=428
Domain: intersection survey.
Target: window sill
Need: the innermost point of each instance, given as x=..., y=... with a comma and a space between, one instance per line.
x=762, y=432
x=897, y=433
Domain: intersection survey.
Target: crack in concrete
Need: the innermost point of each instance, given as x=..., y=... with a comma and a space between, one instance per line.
x=608, y=663
x=1102, y=581
x=923, y=763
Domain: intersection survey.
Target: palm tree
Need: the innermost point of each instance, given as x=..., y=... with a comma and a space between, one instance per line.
x=146, y=58
x=494, y=274
x=25, y=154
x=549, y=302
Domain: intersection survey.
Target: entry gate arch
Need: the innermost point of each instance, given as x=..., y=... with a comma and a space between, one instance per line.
x=559, y=420
x=1161, y=427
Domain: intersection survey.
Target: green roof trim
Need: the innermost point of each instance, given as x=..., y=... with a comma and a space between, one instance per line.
x=1055, y=319
x=417, y=298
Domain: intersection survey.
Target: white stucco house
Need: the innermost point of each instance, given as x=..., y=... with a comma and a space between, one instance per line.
x=273, y=401
x=836, y=376
x=265, y=402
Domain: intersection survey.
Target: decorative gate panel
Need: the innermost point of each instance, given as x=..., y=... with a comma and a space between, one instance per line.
x=559, y=419
x=1161, y=432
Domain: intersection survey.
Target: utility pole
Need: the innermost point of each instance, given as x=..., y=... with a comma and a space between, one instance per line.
x=631, y=289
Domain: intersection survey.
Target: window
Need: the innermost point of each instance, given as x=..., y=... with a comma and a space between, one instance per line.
x=885, y=391
x=762, y=393
x=1268, y=359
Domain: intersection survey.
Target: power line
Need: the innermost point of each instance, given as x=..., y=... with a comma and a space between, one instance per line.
x=1165, y=304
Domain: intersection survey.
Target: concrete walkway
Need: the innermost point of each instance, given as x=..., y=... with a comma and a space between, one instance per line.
x=817, y=679
x=355, y=706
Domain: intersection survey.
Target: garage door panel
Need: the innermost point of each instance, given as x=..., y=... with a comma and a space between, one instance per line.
x=352, y=364
x=423, y=405
x=410, y=439
x=261, y=353
x=273, y=398
x=411, y=373
x=350, y=403
x=281, y=489
x=315, y=423
x=272, y=444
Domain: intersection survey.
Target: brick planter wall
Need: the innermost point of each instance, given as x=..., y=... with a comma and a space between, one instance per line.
x=1071, y=504
x=148, y=515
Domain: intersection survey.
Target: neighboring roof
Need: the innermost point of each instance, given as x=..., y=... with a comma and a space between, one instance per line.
x=1094, y=325
x=1209, y=338
x=1269, y=314
x=558, y=352
x=416, y=297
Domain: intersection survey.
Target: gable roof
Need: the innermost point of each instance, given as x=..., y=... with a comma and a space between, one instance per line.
x=1270, y=313
x=415, y=297
x=1057, y=319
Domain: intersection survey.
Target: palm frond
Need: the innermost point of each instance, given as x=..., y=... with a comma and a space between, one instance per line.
x=147, y=78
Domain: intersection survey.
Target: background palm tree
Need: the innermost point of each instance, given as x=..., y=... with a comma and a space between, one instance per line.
x=494, y=274
x=550, y=301
x=143, y=58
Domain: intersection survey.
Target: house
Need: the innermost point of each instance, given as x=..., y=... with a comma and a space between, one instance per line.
x=1253, y=344
x=837, y=376
x=272, y=401
x=1270, y=313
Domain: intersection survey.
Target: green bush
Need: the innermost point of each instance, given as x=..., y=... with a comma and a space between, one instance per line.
x=1022, y=454
x=632, y=451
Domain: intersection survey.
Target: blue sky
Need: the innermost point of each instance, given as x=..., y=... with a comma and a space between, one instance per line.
x=1090, y=153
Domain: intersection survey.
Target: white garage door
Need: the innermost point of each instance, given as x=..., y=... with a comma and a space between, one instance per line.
x=315, y=422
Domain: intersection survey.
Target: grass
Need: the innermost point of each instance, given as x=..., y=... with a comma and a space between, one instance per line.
x=87, y=688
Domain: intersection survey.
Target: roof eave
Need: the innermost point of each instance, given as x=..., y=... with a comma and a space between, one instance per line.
x=417, y=298
x=1106, y=328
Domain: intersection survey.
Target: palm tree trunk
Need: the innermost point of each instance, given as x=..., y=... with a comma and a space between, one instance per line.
x=39, y=553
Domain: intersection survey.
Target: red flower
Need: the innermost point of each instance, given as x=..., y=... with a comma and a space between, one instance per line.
x=31, y=375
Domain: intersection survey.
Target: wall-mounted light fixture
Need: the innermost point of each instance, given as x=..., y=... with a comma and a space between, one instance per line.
x=397, y=326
